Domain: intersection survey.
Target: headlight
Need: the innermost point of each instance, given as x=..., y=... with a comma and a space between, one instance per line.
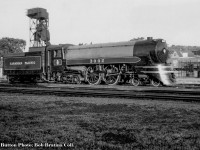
x=164, y=50
x=163, y=41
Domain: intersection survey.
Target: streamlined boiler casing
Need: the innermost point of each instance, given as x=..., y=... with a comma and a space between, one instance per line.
x=140, y=52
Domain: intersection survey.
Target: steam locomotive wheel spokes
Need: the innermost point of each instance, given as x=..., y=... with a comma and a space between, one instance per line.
x=135, y=81
x=92, y=76
x=155, y=82
x=112, y=75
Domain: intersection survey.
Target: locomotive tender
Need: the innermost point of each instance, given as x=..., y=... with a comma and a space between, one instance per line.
x=136, y=62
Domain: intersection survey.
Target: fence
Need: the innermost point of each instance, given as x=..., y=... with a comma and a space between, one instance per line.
x=188, y=69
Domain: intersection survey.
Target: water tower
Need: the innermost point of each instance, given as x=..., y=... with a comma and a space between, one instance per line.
x=39, y=24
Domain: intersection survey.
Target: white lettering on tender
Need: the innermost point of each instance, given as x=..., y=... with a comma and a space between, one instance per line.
x=20, y=63
x=30, y=63
x=15, y=63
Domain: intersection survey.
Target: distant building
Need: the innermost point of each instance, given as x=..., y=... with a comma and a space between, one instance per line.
x=175, y=54
x=185, y=61
x=196, y=52
x=2, y=77
x=1, y=67
x=181, y=53
x=187, y=53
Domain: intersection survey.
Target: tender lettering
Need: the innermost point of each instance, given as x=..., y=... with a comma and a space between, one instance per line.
x=30, y=63
x=21, y=63
x=15, y=63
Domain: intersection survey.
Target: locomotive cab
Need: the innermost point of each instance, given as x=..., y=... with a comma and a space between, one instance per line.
x=55, y=62
x=57, y=67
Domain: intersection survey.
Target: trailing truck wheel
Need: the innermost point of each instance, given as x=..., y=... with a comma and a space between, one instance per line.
x=10, y=80
x=112, y=75
x=135, y=81
x=92, y=76
x=71, y=79
x=155, y=82
x=76, y=80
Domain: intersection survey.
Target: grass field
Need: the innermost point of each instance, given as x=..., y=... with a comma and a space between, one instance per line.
x=38, y=122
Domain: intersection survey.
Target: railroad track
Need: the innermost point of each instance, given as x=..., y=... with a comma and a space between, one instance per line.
x=113, y=93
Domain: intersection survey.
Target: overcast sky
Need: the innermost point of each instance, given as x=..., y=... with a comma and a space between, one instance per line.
x=100, y=21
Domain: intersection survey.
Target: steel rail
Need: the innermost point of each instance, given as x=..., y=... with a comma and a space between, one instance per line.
x=163, y=90
x=102, y=93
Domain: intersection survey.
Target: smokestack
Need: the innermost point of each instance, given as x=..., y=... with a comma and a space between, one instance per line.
x=149, y=38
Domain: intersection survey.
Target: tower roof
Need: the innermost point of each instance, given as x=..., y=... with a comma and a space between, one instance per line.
x=38, y=13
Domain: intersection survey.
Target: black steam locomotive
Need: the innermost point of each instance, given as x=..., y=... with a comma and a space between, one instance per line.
x=135, y=62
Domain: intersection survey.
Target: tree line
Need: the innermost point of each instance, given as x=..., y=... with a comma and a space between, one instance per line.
x=184, y=48
x=11, y=45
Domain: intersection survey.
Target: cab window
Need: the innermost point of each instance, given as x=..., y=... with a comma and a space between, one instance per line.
x=57, y=53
